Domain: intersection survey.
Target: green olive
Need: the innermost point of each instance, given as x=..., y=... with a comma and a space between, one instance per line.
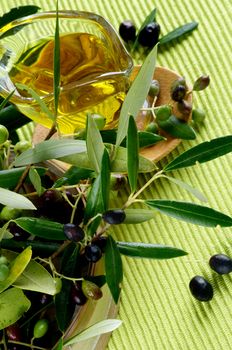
x=3, y=260
x=9, y=213
x=40, y=328
x=4, y=272
x=154, y=88
x=91, y=290
x=163, y=112
x=22, y=146
x=58, y=284
x=152, y=127
x=198, y=115
x=4, y=134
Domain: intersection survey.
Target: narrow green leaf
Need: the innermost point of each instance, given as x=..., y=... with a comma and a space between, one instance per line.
x=99, y=328
x=42, y=228
x=178, y=32
x=150, y=18
x=59, y=346
x=50, y=149
x=15, y=200
x=36, y=180
x=10, y=177
x=17, y=12
x=202, y=153
x=12, y=119
x=38, y=99
x=105, y=179
x=6, y=100
x=132, y=154
x=94, y=144
x=136, y=216
x=94, y=205
x=136, y=95
x=150, y=251
x=190, y=212
x=187, y=187
x=113, y=268
x=56, y=60
x=17, y=266
x=13, y=305
x=68, y=268
x=177, y=128
x=35, y=277
x=118, y=165
x=145, y=138
x=73, y=176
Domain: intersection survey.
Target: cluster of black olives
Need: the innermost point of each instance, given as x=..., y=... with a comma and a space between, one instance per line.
x=200, y=288
x=148, y=36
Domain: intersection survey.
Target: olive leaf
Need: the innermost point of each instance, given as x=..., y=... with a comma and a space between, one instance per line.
x=13, y=305
x=36, y=180
x=202, y=153
x=68, y=268
x=113, y=268
x=137, y=216
x=15, y=200
x=145, y=138
x=94, y=144
x=73, y=176
x=136, y=95
x=56, y=59
x=150, y=18
x=194, y=191
x=99, y=328
x=14, y=14
x=12, y=118
x=150, y=251
x=132, y=154
x=38, y=99
x=17, y=12
x=17, y=266
x=177, y=128
x=35, y=277
x=190, y=212
x=42, y=228
x=10, y=177
x=6, y=100
x=178, y=33
x=60, y=344
x=118, y=164
x=50, y=149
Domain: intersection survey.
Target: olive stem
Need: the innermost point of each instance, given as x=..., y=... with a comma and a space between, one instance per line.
x=22, y=178
x=26, y=344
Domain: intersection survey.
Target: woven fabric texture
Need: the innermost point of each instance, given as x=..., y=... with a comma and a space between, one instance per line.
x=157, y=309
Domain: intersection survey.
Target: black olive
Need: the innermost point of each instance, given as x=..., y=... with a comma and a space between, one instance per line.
x=221, y=263
x=73, y=232
x=201, y=289
x=149, y=35
x=114, y=217
x=93, y=253
x=127, y=31
x=179, y=93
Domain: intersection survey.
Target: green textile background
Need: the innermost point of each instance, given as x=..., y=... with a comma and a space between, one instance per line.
x=157, y=309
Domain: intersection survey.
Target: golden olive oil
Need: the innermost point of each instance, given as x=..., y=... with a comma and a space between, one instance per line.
x=91, y=81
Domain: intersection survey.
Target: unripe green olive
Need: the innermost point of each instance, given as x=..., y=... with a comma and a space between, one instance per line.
x=198, y=115
x=163, y=112
x=22, y=146
x=152, y=127
x=4, y=134
x=3, y=260
x=40, y=328
x=9, y=213
x=154, y=88
x=4, y=272
x=58, y=284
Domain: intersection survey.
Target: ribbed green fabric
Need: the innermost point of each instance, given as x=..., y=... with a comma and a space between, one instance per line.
x=157, y=309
